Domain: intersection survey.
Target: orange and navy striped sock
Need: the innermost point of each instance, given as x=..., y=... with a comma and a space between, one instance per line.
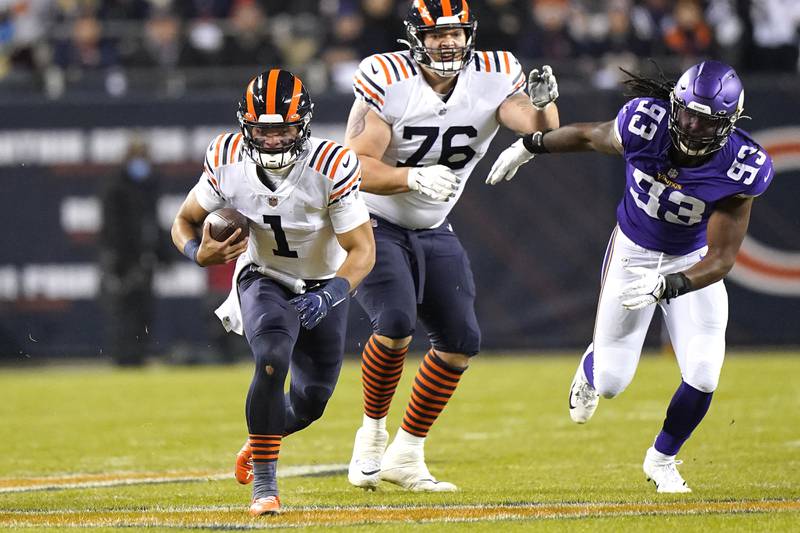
x=265, y=460
x=381, y=368
x=434, y=384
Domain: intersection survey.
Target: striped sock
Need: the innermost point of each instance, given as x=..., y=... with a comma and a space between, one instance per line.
x=381, y=368
x=265, y=460
x=434, y=384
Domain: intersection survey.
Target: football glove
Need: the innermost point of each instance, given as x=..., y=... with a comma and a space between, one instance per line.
x=542, y=87
x=437, y=182
x=508, y=163
x=313, y=306
x=652, y=287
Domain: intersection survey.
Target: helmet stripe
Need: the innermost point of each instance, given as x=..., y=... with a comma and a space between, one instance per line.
x=297, y=92
x=424, y=13
x=447, y=10
x=251, y=108
x=272, y=84
x=464, y=11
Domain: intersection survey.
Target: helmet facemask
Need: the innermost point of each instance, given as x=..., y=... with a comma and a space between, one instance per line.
x=272, y=143
x=444, y=61
x=695, y=131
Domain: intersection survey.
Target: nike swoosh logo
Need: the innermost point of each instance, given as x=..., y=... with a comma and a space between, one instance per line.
x=570, y=400
x=374, y=70
x=370, y=472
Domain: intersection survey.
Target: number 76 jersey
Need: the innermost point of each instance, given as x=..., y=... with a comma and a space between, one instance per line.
x=665, y=207
x=428, y=130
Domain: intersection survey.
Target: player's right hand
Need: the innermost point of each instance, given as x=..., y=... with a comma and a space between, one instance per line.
x=509, y=162
x=437, y=182
x=213, y=252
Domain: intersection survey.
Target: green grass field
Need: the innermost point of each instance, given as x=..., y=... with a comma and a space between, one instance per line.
x=105, y=448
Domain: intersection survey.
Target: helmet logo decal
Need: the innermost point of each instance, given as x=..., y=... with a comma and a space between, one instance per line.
x=424, y=13
x=251, y=108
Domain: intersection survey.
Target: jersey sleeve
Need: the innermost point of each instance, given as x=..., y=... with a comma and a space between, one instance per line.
x=516, y=75
x=346, y=205
x=370, y=83
x=753, y=169
x=638, y=122
x=222, y=150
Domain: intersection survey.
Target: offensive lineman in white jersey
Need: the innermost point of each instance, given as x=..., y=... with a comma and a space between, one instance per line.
x=307, y=222
x=421, y=121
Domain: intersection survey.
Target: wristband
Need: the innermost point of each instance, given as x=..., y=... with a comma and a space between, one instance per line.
x=675, y=285
x=534, y=143
x=336, y=290
x=191, y=248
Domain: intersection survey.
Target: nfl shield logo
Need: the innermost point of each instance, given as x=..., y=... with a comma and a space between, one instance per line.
x=272, y=201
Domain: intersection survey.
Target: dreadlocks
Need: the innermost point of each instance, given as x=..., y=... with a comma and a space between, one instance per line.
x=660, y=87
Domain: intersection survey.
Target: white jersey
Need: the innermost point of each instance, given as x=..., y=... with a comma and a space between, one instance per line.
x=427, y=130
x=292, y=228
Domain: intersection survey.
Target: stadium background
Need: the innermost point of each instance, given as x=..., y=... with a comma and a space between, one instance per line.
x=78, y=79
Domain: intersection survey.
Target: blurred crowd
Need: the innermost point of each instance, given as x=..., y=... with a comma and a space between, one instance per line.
x=169, y=45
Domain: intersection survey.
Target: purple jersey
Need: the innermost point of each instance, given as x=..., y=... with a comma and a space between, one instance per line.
x=665, y=207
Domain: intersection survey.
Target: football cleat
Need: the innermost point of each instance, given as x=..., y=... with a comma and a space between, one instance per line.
x=405, y=466
x=365, y=464
x=244, y=465
x=583, y=399
x=271, y=505
x=663, y=472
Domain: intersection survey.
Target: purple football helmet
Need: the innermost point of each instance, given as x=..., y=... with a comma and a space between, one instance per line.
x=705, y=104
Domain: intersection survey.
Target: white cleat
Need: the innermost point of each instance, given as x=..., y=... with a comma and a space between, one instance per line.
x=365, y=464
x=663, y=472
x=405, y=466
x=583, y=399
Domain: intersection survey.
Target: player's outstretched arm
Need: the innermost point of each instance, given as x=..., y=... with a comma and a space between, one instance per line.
x=535, y=111
x=579, y=137
x=202, y=249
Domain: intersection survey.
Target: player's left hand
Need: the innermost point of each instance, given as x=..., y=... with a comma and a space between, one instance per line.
x=646, y=290
x=313, y=306
x=508, y=162
x=542, y=87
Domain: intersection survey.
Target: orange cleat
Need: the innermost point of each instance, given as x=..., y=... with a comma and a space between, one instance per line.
x=244, y=465
x=271, y=505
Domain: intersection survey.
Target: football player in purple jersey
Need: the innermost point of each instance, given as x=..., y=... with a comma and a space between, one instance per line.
x=691, y=176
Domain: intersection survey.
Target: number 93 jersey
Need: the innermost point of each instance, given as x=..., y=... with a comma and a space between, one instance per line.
x=292, y=229
x=426, y=130
x=665, y=207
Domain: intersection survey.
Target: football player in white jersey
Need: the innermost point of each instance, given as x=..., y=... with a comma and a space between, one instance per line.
x=421, y=121
x=308, y=226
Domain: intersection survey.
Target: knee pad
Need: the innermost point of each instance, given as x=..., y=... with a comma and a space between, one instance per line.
x=608, y=385
x=272, y=352
x=395, y=324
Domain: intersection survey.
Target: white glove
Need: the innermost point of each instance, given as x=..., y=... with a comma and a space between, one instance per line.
x=542, y=87
x=437, y=182
x=509, y=162
x=646, y=290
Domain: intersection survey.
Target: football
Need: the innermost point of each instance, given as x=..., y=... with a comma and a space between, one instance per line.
x=223, y=222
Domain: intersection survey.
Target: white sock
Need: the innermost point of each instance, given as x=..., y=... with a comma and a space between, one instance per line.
x=374, y=423
x=407, y=439
x=657, y=455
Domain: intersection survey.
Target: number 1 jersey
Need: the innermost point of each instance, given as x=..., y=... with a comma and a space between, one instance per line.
x=427, y=130
x=665, y=207
x=292, y=228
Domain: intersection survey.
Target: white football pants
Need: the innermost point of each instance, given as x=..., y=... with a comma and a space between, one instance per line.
x=695, y=321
